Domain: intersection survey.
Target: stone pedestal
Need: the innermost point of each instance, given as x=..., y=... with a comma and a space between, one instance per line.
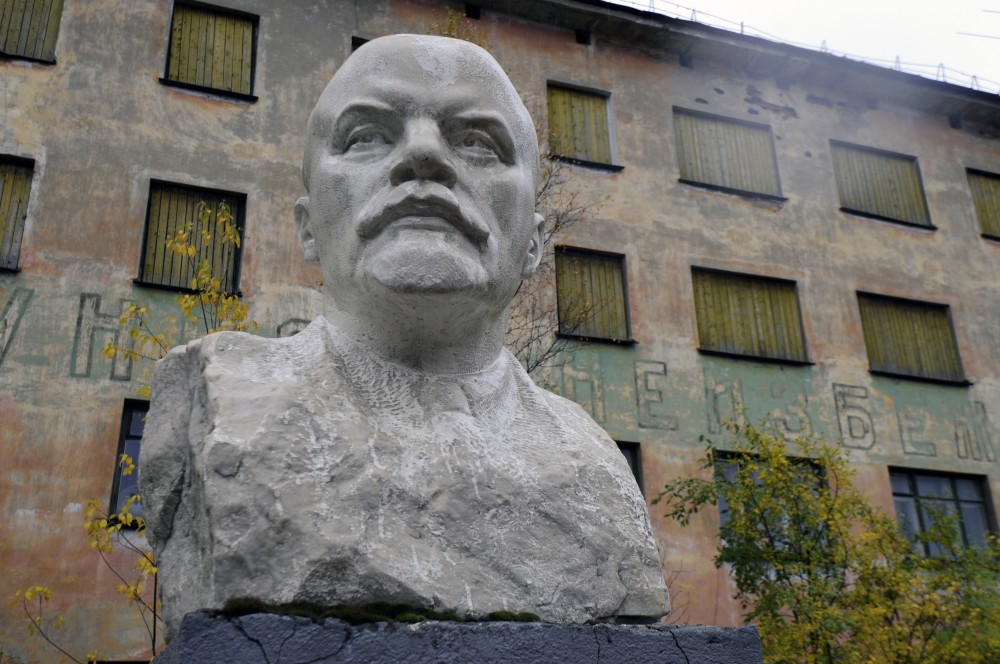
x=205, y=638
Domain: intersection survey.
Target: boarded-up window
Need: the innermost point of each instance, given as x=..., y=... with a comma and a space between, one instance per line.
x=591, y=292
x=751, y=316
x=172, y=208
x=909, y=338
x=212, y=48
x=986, y=196
x=578, y=125
x=726, y=153
x=15, y=186
x=28, y=28
x=879, y=184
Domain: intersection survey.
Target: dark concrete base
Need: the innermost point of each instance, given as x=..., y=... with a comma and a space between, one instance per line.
x=269, y=639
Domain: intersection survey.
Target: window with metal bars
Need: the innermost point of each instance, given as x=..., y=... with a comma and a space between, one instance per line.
x=579, y=125
x=879, y=184
x=922, y=499
x=591, y=292
x=124, y=486
x=748, y=316
x=200, y=213
x=727, y=154
x=985, y=189
x=212, y=49
x=15, y=188
x=910, y=339
x=29, y=28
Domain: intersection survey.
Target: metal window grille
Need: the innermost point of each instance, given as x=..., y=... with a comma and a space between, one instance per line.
x=15, y=187
x=578, y=124
x=172, y=208
x=726, y=153
x=879, y=184
x=29, y=28
x=590, y=288
x=751, y=316
x=211, y=48
x=908, y=338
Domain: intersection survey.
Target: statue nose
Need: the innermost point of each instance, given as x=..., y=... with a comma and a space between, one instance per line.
x=424, y=156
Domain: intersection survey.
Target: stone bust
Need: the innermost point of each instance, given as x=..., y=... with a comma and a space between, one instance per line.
x=394, y=450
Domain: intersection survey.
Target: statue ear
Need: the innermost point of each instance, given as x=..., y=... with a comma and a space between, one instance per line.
x=534, y=256
x=304, y=229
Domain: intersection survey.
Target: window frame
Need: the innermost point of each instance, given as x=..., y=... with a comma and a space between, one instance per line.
x=18, y=241
x=987, y=175
x=130, y=408
x=911, y=474
x=239, y=217
x=632, y=450
x=963, y=381
x=628, y=339
x=217, y=10
x=745, y=193
x=55, y=40
x=612, y=166
x=891, y=155
x=804, y=361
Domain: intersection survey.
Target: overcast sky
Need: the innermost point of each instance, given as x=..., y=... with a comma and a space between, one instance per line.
x=919, y=32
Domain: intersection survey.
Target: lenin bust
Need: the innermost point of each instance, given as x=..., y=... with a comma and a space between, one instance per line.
x=394, y=450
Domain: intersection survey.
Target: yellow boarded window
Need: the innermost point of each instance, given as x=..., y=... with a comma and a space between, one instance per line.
x=751, y=316
x=879, y=184
x=909, y=338
x=211, y=48
x=591, y=292
x=172, y=208
x=578, y=125
x=986, y=196
x=28, y=28
x=726, y=153
x=15, y=186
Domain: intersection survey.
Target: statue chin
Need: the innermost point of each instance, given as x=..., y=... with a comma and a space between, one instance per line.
x=430, y=266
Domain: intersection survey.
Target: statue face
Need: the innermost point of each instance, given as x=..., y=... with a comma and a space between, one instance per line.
x=421, y=166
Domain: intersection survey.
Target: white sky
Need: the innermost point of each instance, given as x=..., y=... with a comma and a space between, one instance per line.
x=922, y=33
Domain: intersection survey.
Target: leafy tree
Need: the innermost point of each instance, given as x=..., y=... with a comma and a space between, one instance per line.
x=826, y=576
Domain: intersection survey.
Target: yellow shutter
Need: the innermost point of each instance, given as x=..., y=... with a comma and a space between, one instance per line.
x=986, y=197
x=15, y=186
x=752, y=316
x=883, y=185
x=909, y=338
x=726, y=153
x=211, y=49
x=171, y=209
x=591, y=293
x=578, y=125
x=29, y=28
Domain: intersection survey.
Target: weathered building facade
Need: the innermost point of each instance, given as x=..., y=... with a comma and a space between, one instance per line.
x=782, y=233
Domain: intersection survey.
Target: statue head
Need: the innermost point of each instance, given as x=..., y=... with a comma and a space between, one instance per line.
x=420, y=165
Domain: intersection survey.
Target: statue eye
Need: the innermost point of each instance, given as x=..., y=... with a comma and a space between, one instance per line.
x=477, y=143
x=367, y=137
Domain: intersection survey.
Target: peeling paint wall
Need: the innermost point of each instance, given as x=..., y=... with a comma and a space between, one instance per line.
x=99, y=125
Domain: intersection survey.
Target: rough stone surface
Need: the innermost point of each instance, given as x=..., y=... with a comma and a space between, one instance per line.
x=268, y=639
x=304, y=468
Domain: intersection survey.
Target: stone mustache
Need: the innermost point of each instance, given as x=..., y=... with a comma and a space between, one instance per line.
x=394, y=450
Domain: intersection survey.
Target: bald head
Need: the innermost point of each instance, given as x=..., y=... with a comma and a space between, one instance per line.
x=443, y=62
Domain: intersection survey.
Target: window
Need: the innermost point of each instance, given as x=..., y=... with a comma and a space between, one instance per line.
x=125, y=486
x=909, y=338
x=986, y=197
x=726, y=154
x=633, y=454
x=590, y=288
x=727, y=469
x=15, y=186
x=923, y=498
x=171, y=208
x=28, y=28
x=879, y=184
x=578, y=125
x=748, y=316
x=212, y=49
